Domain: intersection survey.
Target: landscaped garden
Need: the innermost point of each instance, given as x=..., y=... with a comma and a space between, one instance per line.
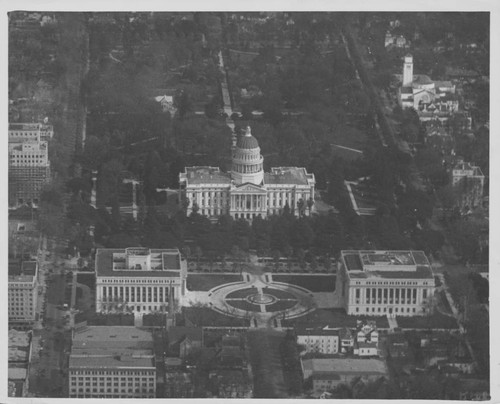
x=281, y=305
x=241, y=293
x=434, y=321
x=206, y=317
x=243, y=305
x=205, y=282
x=314, y=283
x=333, y=318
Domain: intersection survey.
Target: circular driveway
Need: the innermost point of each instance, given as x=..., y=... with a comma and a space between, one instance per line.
x=261, y=300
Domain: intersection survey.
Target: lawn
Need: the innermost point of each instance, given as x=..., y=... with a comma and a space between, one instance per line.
x=241, y=293
x=205, y=282
x=280, y=294
x=206, y=317
x=314, y=283
x=333, y=318
x=281, y=305
x=86, y=279
x=244, y=305
x=437, y=320
x=267, y=367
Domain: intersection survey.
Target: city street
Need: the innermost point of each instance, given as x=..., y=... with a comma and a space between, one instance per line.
x=51, y=339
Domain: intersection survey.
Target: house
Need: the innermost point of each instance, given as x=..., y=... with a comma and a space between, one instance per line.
x=346, y=338
x=395, y=41
x=184, y=340
x=366, y=349
x=167, y=103
x=367, y=331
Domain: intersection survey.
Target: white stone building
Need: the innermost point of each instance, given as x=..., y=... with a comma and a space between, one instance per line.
x=377, y=283
x=247, y=191
x=431, y=99
x=323, y=340
x=139, y=280
x=29, y=165
x=22, y=291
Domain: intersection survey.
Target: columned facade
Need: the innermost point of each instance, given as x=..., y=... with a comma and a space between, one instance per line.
x=380, y=283
x=247, y=191
x=139, y=280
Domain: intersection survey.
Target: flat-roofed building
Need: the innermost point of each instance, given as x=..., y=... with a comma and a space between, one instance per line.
x=322, y=340
x=29, y=165
x=19, y=362
x=467, y=180
x=384, y=282
x=139, y=280
x=22, y=291
x=30, y=131
x=112, y=362
x=328, y=373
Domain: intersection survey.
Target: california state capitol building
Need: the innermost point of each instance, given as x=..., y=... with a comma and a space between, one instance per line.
x=247, y=191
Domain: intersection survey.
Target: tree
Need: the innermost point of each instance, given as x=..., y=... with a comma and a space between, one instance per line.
x=183, y=103
x=310, y=204
x=96, y=152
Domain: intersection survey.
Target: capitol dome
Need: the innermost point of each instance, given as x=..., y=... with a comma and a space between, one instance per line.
x=247, y=141
x=248, y=163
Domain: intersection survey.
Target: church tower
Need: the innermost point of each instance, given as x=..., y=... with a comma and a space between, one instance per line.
x=408, y=71
x=248, y=163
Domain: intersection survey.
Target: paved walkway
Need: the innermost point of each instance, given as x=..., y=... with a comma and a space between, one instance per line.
x=393, y=324
x=216, y=299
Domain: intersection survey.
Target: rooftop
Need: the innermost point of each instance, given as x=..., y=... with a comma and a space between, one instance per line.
x=247, y=141
x=317, y=331
x=387, y=264
x=470, y=167
x=345, y=366
x=288, y=175
x=422, y=79
x=19, y=344
x=115, y=346
x=138, y=262
x=206, y=175
x=22, y=271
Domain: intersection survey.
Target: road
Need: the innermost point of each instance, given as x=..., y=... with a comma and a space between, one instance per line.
x=51, y=336
x=458, y=317
x=267, y=368
x=384, y=128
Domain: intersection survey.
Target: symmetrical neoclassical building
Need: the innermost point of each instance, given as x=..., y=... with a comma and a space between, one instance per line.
x=139, y=280
x=379, y=283
x=247, y=191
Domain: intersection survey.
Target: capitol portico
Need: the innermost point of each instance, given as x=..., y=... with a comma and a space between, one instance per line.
x=247, y=191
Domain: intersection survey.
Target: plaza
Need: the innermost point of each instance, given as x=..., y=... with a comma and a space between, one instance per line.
x=257, y=297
